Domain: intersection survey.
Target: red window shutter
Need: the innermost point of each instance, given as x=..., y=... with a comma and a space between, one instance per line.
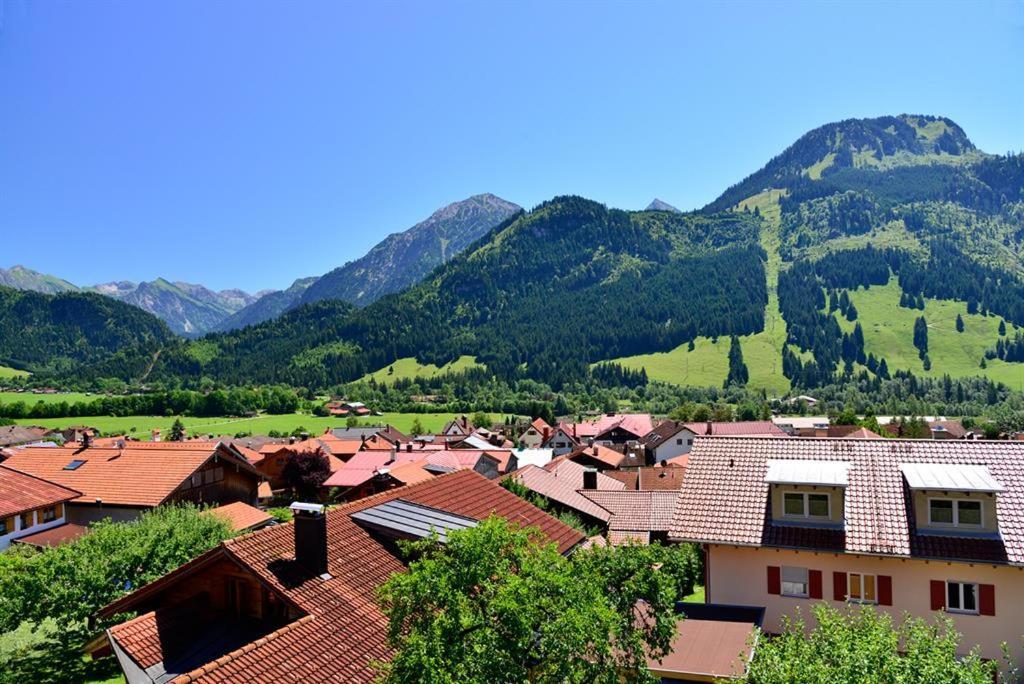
x=884, y=590
x=774, y=579
x=838, y=586
x=938, y=595
x=987, y=599
x=814, y=582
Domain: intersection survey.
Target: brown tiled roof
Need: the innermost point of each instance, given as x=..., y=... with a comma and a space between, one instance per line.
x=563, y=490
x=55, y=536
x=343, y=631
x=955, y=428
x=140, y=474
x=661, y=479
x=606, y=455
x=20, y=492
x=630, y=478
x=640, y=511
x=241, y=516
x=724, y=498
x=11, y=435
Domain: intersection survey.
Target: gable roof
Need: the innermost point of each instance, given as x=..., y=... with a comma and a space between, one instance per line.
x=540, y=425
x=560, y=491
x=140, y=474
x=606, y=455
x=878, y=505
x=743, y=428
x=343, y=631
x=663, y=432
x=636, y=511
x=241, y=516
x=20, y=492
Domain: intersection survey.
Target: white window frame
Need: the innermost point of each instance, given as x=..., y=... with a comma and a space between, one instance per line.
x=960, y=595
x=849, y=588
x=806, y=515
x=956, y=512
x=783, y=582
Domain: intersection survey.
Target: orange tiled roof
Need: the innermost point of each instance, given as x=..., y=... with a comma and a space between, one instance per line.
x=241, y=516
x=343, y=632
x=140, y=474
x=20, y=492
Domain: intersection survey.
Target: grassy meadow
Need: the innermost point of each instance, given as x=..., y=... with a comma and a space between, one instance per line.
x=144, y=425
x=6, y=372
x=410, y=369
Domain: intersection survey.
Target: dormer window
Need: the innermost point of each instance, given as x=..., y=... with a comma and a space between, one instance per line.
x=807, y=505
x=955, y=512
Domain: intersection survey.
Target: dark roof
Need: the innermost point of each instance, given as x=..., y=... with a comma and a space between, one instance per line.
x=12, y=435
x=55, y=536
x=343, y=632
x=878, y=508
x=660, y=434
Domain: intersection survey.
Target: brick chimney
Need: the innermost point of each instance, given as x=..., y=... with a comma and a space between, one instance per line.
x=310, y=524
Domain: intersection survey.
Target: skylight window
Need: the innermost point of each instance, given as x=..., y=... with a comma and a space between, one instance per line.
x=74, y=465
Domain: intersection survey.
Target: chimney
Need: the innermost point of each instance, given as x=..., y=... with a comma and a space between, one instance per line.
x=155, y=435
x=709, y=431
x=310, y=537
x=86, y=439
x=408, y=447
x=291, y=440
x=590, y=478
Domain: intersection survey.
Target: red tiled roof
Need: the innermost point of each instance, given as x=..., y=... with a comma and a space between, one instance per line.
x=359, y=469
x=639, y=511
x=546, y=484
x=748, y=428
x=860, y=433
x=724, y=498
x=344, y=632
x=241, y=516
x=608, y=456
x=55, y=536
x=630, y=478
x=140, y=474
x=661, y=479
x=410, y=472
x=20, y=492
x=540, y=425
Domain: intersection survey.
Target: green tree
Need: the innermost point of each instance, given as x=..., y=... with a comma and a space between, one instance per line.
x=959, y=323
x=416, y=428
x=1002, y=328
x=921, y=336
x=305, y=471
x=497, y=603
x=481, y=420
x=863, y=645
x=177, y=433
x=700, y=413
x=738, y=374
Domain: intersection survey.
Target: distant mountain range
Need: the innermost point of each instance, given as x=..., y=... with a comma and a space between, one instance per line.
x=822, y=263
x=657, y=205
x=395, y=263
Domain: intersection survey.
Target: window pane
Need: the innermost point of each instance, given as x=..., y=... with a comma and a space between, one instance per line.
x=794, y=504
x=969, y=600
x=854, y=586
x=818, y=505
x=953, y=595
x=969, y=512
x=794, y=589
x=869, y=588
x=942, y=511
x=791, y=574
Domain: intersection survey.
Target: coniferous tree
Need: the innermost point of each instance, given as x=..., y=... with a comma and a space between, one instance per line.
x=738, y=374
x=921, y=336
x=959, y=323
x=851, y=312
x=1002, y=327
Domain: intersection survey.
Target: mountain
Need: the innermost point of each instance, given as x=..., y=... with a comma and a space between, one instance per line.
x=542, y=295
x=188, y=309
x=21, y=278
x=403, y=259
x=657, y=205
x=269, y=305
x=71, y=330
x=879, y=143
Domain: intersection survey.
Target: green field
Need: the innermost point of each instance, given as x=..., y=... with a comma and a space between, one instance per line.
x=410, y=369
x=708, y=363
x=31, y=399
x=6, y=372
x=260, y=425
x=889, y=334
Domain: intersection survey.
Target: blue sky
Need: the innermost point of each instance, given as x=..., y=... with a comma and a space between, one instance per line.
x=245, y=144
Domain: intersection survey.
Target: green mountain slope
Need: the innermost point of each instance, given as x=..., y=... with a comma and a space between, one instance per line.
x=271, y=305
x=21, y=278
x=61, y=333
x=541, y=296
x=403, y=259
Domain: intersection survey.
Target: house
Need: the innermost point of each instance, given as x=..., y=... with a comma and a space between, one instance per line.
x=562, y=440
x=120, y=483
x=598, y=456
x=15, y=435
x=911, y=526
x=346, y=408
x=673, y=439
x=651, y=478
x=562, y=482
x=458, y=426
x=620, y=429
x=947, y=429
x=803, y=426
x=297, y=602
x=30, y=505
x=273, y=457
x=535, y=434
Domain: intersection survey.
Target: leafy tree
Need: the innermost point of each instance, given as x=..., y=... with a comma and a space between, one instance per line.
x=497, y=603
x=417, y=427
x=959, y=323
x=351, y=422
x=177, y=433
x=305, y=471
x=863, y=645
x=738, y=374
x=722, y=413
x=481, y=420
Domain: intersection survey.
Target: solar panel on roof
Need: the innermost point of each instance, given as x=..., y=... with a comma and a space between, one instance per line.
x=412, y=520
x=74, y=465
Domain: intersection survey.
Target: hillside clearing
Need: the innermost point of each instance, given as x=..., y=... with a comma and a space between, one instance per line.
x=410, y=369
